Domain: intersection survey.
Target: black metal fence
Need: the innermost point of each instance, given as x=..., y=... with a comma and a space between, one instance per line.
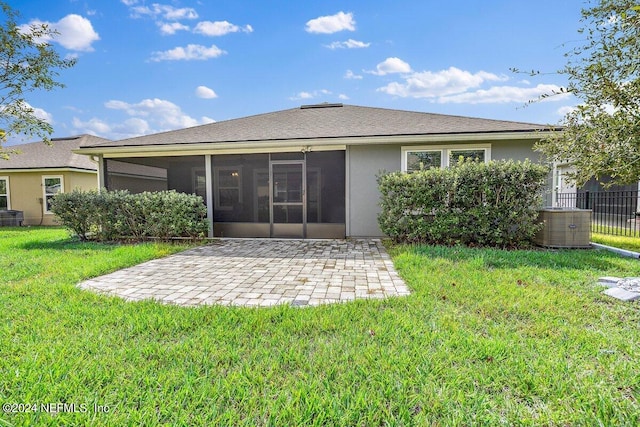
x=612, y=212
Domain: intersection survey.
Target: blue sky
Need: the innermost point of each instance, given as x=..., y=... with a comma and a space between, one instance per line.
x=145, y=67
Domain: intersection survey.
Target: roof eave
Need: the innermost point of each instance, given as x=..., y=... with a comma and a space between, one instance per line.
x=48, y=170
x=335, y=143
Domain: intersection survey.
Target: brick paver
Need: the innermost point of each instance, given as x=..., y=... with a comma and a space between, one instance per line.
x=261, y=272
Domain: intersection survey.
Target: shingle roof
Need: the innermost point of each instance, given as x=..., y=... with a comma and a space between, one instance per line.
x=38, y=155
x=327, y=121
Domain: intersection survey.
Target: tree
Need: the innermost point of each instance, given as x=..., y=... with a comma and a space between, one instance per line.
x=601, y=135
x=27, y=63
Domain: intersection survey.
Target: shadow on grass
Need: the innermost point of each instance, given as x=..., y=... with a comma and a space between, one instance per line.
x=66, y=244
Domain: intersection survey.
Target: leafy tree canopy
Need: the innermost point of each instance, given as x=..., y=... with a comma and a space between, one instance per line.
x=602, y=134
x=28, y=63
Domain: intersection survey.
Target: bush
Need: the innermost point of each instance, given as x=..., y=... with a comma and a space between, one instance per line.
x=77, y=211
x=472, y=203
x=113, y=215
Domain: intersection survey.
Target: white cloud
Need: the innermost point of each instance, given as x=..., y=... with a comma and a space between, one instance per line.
x=134, y=126
x=205, y=92
x=37, y=112
x=93, y=127
x=349, y=44
x=391, y=66
x=429, y=84
x=146, y=117
x=563, y=111
x=219, y=28
x=163, y=11
x=128, y=129
x=351, y=76
x=74, y=32
x=567, y=109
x=43, y=115
x=503, y=94
x=188, y=53
x=310, y=95
x=343, y=97
x=454, y=85
x=331, y=24
x=170, y=28
x=164, y=113
x=302, y=95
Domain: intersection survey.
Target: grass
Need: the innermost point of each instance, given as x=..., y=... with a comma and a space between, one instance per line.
x=622, y=242
x=488, y=337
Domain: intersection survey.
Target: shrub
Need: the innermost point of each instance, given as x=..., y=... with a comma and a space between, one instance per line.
x=113, y=215
x=472, y=203
x=77, y=211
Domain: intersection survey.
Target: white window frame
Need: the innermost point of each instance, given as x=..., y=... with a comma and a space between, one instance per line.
x=445, y=151
x=217, y=187
x=8, y=194
x=44, y=190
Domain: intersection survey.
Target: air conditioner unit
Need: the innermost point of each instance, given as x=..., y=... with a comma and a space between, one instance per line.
x=11, y=218
x=564, y=228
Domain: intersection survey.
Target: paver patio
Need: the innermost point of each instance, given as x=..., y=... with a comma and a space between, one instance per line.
x=260, y=272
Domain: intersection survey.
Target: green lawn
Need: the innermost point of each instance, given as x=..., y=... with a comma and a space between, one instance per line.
x=622, y=242
x=487, y=338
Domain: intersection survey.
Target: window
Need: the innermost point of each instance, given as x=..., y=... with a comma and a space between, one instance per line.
x=457, y=155
x=426, y=157
x=52, y=185
x=228, y=187
x=417, y=160
x=5, y=202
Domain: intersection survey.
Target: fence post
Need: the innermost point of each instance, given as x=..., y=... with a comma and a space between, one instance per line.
x=586, y=199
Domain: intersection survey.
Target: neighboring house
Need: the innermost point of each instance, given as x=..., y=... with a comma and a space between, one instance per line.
x=31, y=177
x=309, y=171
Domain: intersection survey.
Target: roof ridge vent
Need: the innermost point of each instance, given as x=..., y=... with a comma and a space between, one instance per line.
x=323, y=105
x=66, y=138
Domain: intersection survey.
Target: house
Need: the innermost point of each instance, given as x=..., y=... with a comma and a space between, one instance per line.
x=311, y=171
x=31, y=177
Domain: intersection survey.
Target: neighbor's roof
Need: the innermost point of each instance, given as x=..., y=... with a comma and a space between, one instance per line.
x=327, y=121
x=38, y=155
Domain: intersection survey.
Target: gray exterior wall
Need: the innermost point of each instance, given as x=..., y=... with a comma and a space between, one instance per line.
x=521, y=150
x=364, y=162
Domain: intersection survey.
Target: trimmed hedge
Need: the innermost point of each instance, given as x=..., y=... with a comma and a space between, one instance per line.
x=472, y=203
x=115, y=215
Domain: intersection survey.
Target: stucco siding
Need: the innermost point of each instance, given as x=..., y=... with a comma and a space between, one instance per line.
x=26, y=192
x=522, y=150
x=364, y=163
x=515, y=150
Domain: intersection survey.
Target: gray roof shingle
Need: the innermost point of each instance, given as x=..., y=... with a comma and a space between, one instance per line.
x=327, y=121
x=38, y=155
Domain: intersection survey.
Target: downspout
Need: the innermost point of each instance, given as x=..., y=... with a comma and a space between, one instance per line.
x=209, y=186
